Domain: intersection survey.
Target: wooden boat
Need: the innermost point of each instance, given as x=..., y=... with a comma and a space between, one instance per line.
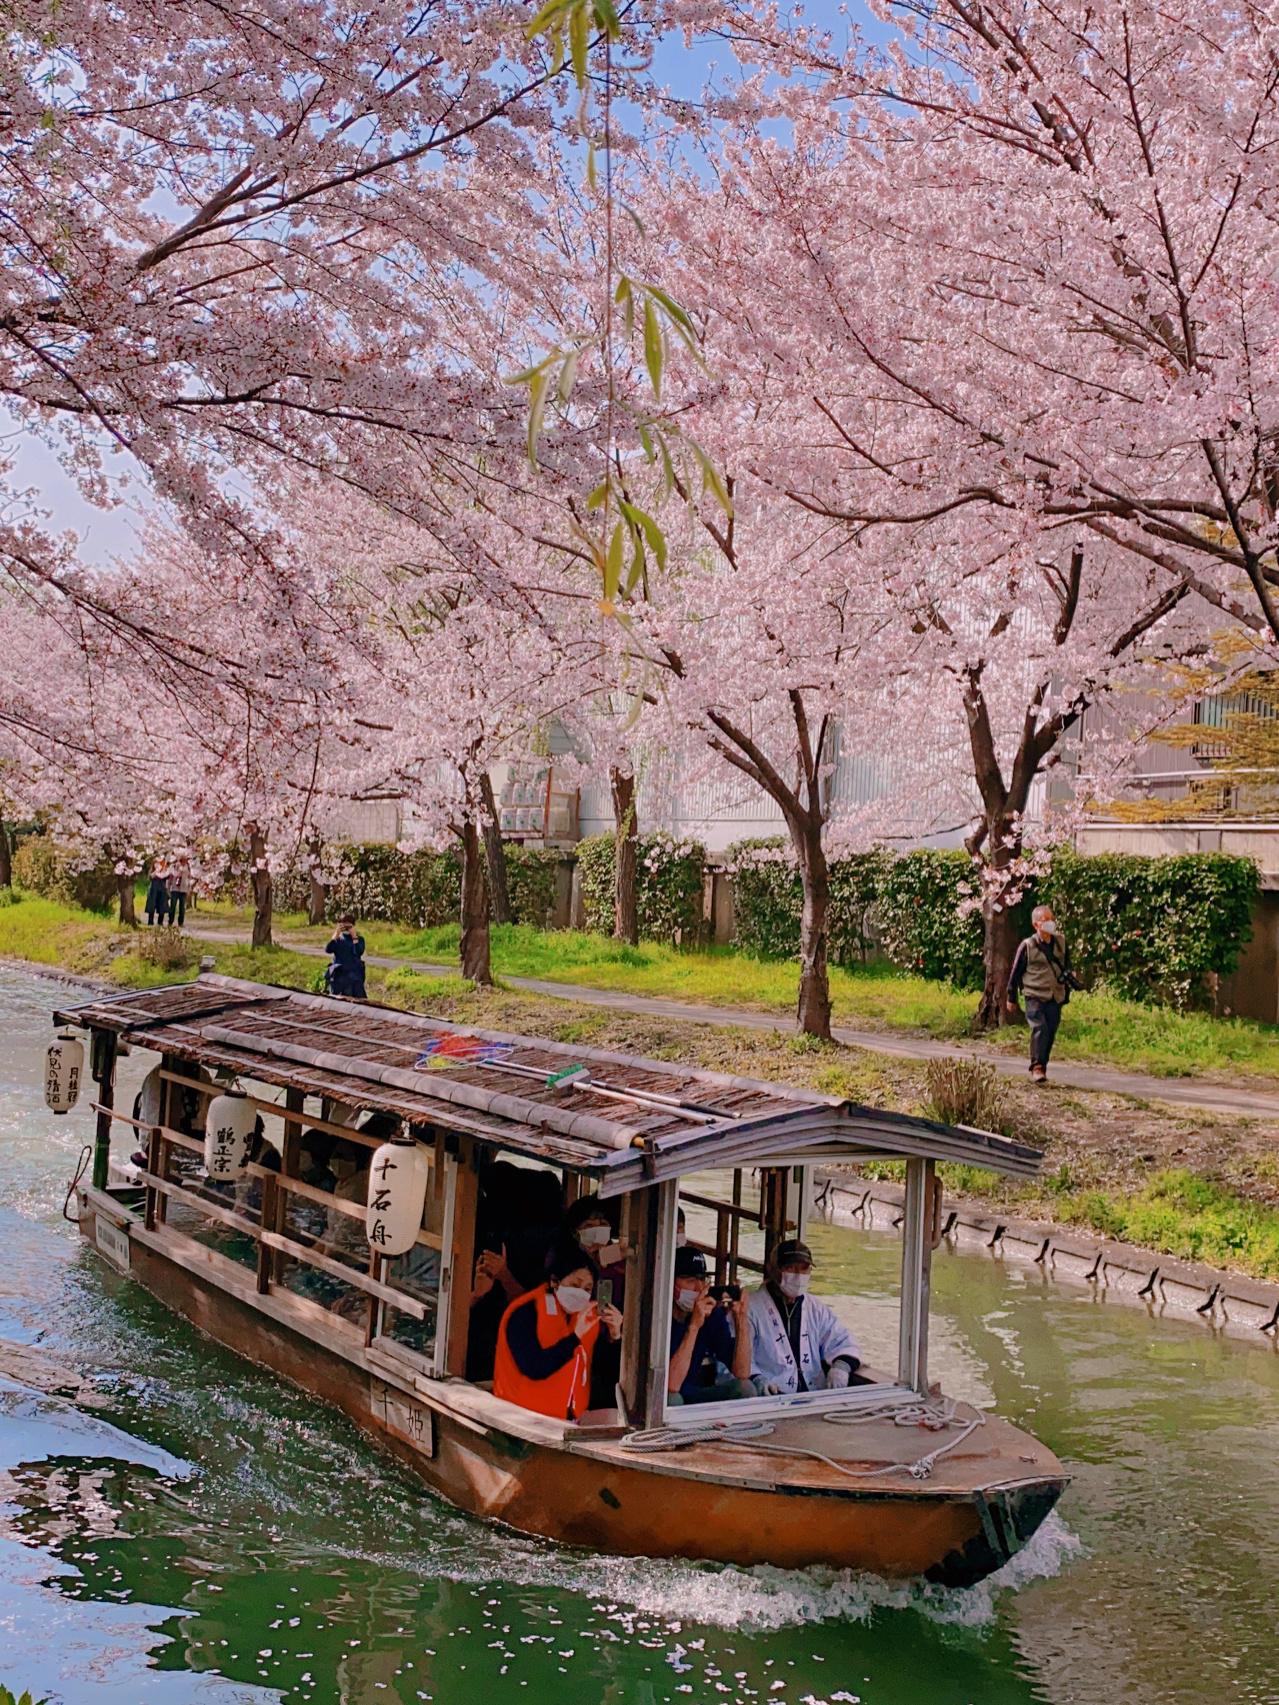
x=279, y=1271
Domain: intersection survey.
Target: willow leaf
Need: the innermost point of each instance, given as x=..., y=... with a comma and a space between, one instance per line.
x=568, y=374
x=579, y=35
x=536, y=409
x=613, y=562
x=654, y=346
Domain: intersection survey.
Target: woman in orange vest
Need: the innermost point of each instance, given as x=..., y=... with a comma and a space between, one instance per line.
x=547, y=1339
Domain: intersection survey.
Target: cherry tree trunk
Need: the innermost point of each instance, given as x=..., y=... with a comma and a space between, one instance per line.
x=6, y=857
x=999, y=948
x=263, y=891
x=813, y=1012
x=475, y=910
x=495, y=856
x=128, y=901
x=625, y=857
x=318, y=898
x=999, y=925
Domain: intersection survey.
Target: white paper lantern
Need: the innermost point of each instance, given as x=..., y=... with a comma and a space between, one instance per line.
x=398, y=1179
x=228, y=1131
x=63, y=1066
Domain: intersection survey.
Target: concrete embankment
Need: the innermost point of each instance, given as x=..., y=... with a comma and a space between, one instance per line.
x=1159, y=1284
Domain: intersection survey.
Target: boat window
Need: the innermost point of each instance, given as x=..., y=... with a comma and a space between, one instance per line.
x=294, y=1217
x=724, y=1217
x=517, y=1209
x=760, y=1210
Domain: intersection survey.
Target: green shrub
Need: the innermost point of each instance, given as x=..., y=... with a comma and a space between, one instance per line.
x=42, y=865
x=1153, y=928
x=768, y=901
x=8, y=1698
x=531, y=877
x=670, y=876
x=375, y=881
x=768, y=898
x=595, y=872
x=422, y=889
x=921, y=926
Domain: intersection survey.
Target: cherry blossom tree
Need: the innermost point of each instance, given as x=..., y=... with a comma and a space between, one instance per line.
x=450, y=668
x=910, y=343
x=240, y=238
x=1046, y=237
x=134, y=748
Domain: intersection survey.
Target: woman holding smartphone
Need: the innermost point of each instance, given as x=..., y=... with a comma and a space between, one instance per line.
x=547, y=1341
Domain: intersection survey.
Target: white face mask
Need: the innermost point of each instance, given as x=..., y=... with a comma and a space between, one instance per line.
x=681, y=1239
x=685, y=1300
x=1048, y=926
x=593, y=1236
x=572, y=1298
x=793, y=1284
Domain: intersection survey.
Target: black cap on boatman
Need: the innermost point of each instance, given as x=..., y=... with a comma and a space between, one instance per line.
x=791, y=1249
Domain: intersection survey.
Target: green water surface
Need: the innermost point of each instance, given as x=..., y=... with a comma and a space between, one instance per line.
x=200, y=1532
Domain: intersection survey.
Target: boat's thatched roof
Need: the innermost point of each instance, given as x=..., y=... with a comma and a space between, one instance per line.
x=636, y=1121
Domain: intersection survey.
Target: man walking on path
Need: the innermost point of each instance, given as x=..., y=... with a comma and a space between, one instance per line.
x=346, y=974
x=1041, y=971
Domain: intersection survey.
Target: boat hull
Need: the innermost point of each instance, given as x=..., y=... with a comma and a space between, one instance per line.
x=602, y=1498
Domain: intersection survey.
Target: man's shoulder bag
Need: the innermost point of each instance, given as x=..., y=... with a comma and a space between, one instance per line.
x=1071, y=982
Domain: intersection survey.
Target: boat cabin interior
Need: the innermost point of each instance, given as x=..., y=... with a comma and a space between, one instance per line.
x=510, y=1133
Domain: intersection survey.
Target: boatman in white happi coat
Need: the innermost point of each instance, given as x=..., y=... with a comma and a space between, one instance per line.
x=797, y=1342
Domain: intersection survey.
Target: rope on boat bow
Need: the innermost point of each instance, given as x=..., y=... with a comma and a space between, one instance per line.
x=936, y=1414
x=81, y=1164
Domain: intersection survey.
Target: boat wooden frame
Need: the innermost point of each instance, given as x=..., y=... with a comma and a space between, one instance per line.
x=631, y=1131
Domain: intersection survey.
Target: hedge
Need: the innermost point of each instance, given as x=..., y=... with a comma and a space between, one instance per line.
x=421, y=889
x=41, y=865
x=530, y=878
x=670, y=876
x=921, y=925
x=768, y=901
x=1152, y=928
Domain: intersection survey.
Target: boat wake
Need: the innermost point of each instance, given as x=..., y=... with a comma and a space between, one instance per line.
x=638, y=1594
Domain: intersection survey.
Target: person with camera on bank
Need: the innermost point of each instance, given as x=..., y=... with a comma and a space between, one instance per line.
x=710, y=1337
x=798, y=1343
x=1042, y=973
x=345, y=975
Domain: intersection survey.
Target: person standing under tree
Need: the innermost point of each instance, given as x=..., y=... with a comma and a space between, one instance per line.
x=346, y=974
x=181, y=882
x=1041, y=971
x=158, y=893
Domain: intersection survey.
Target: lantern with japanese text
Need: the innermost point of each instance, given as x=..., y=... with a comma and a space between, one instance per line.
x=228, y=1131
x=63, y=1066
x=398, y=1178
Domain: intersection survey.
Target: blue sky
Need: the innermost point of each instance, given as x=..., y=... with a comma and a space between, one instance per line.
x=106, y=534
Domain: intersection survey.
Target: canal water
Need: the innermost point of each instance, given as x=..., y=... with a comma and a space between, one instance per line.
x=177, y=1526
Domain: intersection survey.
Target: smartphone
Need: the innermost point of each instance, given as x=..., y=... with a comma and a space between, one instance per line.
x=604, y=1293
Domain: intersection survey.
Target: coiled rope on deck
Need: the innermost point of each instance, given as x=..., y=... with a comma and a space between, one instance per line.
x=935, y=1414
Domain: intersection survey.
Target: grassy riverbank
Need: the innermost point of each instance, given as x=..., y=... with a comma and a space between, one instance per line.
x=1182, y=1183
x=1097, y=1029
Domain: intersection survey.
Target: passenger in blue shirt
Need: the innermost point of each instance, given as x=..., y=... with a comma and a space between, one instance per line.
x=710, y=1339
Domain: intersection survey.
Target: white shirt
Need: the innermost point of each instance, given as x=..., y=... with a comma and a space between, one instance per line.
x=823, y=1337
